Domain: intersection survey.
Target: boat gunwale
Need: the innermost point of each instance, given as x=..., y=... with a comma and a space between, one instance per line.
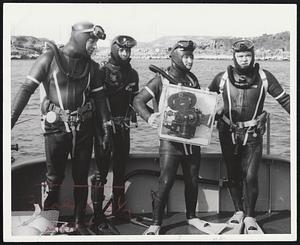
x=271, y=158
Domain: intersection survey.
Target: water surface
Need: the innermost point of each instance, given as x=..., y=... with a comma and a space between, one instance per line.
x=29, y=134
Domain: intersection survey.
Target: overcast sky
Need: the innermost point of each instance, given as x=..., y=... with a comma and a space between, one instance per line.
x=146, y=22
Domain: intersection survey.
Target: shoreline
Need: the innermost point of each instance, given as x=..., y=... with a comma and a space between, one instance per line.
x=208, y=57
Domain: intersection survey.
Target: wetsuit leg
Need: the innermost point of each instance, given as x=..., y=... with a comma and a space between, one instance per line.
x=168, y=168
x=57, y=148
x=80, y=170
x=234, y=170
x=251, y=158
x=190, y=168
x=121, y=141
x=103, y=160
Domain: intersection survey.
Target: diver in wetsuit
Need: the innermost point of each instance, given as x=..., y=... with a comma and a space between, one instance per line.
x=74, y=92
x=121, y=85
x=171, y=153
x=242, y=125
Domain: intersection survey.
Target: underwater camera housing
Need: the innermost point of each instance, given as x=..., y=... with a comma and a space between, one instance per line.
x=184, y=123
x=182, y=118
x=187, y=114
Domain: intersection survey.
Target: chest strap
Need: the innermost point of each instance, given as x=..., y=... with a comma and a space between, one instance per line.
x=225, y=82
x=246, y=124
x=72, y=119
x=75, y=117
x=59, y=98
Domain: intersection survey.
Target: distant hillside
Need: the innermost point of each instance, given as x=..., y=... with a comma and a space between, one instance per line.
x=275, y=47
x=267, y=45
x=267, y=42
x=168, y=41
x=27, y=46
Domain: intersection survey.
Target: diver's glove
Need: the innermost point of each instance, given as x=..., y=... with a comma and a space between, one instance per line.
x=261, y=122
x=153, y=120
x=132, y=115
x=107, y=136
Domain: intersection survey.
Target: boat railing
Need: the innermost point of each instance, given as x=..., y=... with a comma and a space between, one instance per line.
x=268, y=135
x=269, y=164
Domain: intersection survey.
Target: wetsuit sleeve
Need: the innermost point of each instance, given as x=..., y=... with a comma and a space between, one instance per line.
x=214, y=86
x=135, y=89
x=98, y=95
x=277, y=92
x=97, y=82
x=150, y=91
x=37, y=74
x=136, y=80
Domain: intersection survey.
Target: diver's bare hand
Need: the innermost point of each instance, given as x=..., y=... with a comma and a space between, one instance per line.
x=153, y=120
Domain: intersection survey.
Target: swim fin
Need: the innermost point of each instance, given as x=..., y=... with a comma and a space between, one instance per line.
x=207, y=227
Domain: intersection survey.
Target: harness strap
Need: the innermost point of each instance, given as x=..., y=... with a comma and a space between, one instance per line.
x=185, y=149
x=73, y=140
x=223, y=81
x=86, y=88
x=42, y=96
x=258, y=102
x=71, y=117
x=264, y=80
x=59, y=98
x=251, y=123
x=256, y=108
x=229, y=101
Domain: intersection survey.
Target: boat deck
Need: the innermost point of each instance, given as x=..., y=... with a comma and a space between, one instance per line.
x=214, y=203
x=175, y=223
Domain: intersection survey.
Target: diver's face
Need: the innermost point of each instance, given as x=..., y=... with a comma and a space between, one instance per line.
x=243, y=59
x=188, y=60
x=91, y=45
x=124, y=53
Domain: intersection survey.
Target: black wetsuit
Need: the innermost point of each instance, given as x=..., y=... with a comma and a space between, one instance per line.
x=121, y=85
x=77, y=90
x=171, y=153
x=242, y=157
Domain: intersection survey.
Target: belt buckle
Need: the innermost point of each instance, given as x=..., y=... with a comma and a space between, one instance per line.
x=240, y=131
x=240, y=124
x=233, y=127
x=117, y=120
x=89, y=106
x=77, y=118
x=51, y=106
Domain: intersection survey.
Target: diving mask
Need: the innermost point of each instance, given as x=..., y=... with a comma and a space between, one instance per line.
x=96, y=32
x=242, y=45
x=187, y=45
x=124, y=41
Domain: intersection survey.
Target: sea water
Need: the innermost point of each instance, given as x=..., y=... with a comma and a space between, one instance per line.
x=28, y=133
